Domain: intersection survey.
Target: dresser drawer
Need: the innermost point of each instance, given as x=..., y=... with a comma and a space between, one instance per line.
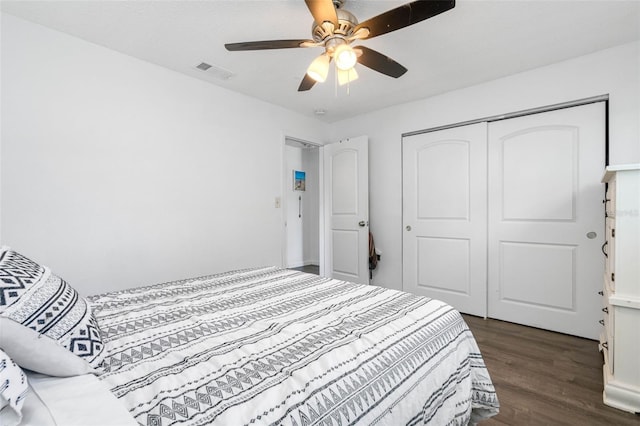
x=610, y=199
x=608, y=315
x=609, y=250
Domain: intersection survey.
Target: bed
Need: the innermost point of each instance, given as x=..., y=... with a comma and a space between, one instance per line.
x=276, y=346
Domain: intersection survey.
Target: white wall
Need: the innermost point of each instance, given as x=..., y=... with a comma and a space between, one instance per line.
x=614, y=71
x=117, y=173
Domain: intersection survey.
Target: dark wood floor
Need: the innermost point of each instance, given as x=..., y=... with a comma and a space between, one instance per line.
x=310, y=269
x=544, y=378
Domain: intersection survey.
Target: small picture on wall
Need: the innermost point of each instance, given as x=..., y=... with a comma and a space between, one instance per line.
x=298, y=180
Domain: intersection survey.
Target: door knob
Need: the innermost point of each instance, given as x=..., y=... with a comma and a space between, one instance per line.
x=362, y=223
x=591, y=235
x=408, y=228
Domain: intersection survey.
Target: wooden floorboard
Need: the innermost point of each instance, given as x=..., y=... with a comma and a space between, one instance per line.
x=309, y=269
x=544, y=378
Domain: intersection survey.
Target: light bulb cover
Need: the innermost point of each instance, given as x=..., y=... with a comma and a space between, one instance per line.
x=346, y=76
x=345, y=57
x=319, y=68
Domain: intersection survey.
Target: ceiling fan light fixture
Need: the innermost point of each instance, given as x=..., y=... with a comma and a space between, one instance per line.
x=345, y=57
x=319, y=68
x=346, y=76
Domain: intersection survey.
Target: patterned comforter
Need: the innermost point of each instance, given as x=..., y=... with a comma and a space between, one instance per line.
x=274, y=346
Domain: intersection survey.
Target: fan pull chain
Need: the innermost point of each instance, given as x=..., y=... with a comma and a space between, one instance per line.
x=335, y=81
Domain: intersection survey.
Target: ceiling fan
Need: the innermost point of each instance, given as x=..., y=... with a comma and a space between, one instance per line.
x=335, y=29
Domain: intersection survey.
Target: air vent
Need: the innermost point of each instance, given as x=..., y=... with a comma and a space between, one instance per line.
x=215, y=71
x=203, y=66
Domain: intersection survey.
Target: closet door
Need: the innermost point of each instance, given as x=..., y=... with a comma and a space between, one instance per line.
x=546, y=220
x=445, y=216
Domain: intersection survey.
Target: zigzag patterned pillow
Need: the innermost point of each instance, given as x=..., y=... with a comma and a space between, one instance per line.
x=45, y=325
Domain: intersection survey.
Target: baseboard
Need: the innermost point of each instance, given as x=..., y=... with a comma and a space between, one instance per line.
x=620, y=395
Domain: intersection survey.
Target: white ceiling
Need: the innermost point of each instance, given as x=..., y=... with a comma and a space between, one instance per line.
x=477, y=41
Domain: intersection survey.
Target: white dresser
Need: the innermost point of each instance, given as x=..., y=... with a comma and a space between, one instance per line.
x=620, y=338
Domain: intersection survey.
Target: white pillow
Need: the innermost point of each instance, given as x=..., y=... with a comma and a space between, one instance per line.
x=40, y=353
x=45, y=325
x=13, y=390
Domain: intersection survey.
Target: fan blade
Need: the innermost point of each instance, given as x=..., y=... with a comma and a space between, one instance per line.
x=323, y=10
x=379, y=62
x=267, y=44
x=403, y=16
x=306, y=83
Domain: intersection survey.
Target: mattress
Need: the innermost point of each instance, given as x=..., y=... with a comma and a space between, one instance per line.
x=275, y=346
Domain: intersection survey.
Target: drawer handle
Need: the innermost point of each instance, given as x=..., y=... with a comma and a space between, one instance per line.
x=601, y=322
x=603, y=249
x=606, y=212
x=605, y=310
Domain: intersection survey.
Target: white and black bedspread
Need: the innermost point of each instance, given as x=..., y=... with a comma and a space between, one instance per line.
x=275, y=346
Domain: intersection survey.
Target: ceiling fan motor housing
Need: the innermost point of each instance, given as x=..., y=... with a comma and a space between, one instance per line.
x=346, y=24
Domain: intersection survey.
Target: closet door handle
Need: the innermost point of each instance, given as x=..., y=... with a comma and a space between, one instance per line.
x=603, y=249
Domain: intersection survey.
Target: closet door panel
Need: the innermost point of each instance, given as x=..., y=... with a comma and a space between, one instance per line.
x=540, y=174
x=435, y=257
x=545, y=219
x=538, y=274
x=443, y=180
x=444, y=216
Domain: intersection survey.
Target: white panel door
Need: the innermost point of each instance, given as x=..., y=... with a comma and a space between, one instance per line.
x=546, y=220
x=346, y=171
x=445, y=216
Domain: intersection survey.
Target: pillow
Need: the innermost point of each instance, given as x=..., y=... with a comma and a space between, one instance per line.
x=13, y=390
x=45, y=326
